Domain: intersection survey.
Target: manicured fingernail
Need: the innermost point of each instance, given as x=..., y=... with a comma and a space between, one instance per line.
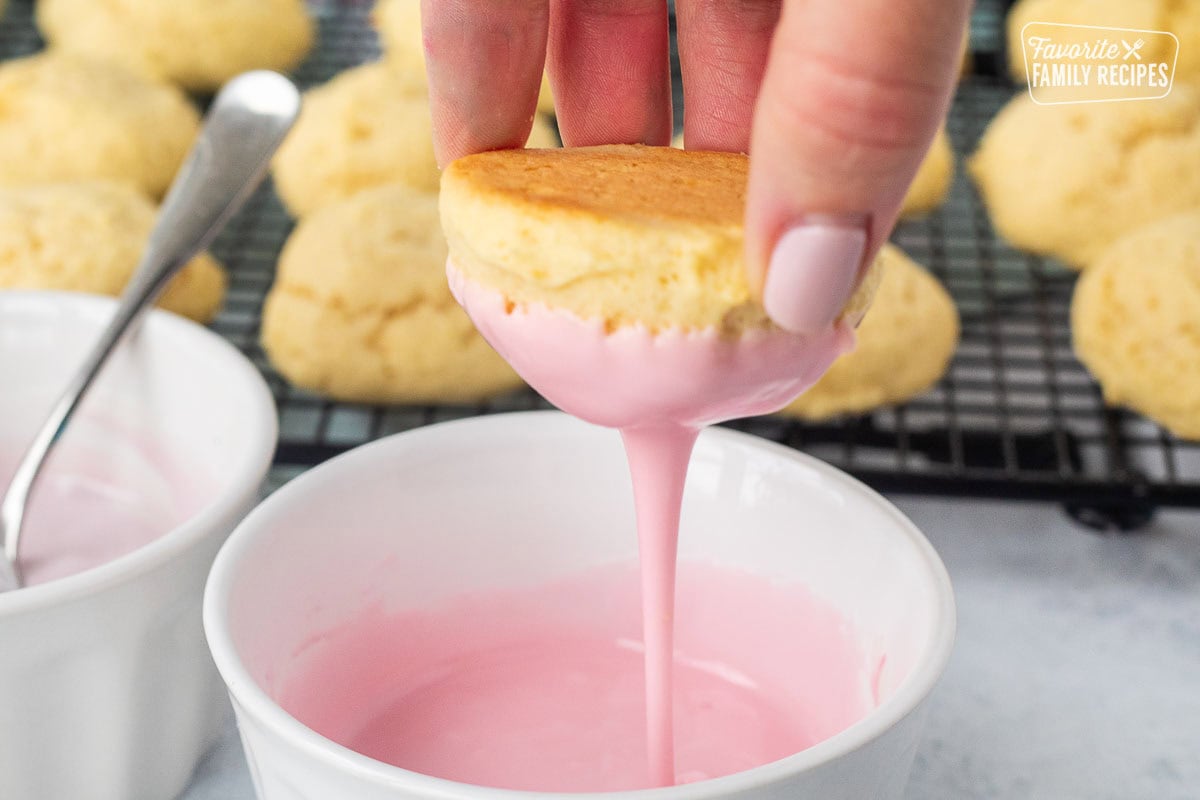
x=813, y=272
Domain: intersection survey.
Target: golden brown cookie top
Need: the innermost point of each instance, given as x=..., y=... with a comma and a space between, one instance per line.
x=632, y=182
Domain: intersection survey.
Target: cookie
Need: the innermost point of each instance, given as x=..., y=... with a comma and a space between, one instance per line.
x=89, y=237
x=904, y=345
x=629, y=234
x=1179, y=17
x=932, y=183
x=1067, y=180
x=1135, y=321
x=66, y=118
x=361, y=129
x=360, y=310
x=198, y=44
x=398, y=23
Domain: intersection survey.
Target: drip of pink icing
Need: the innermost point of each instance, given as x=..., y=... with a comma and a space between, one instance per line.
x=659, y=389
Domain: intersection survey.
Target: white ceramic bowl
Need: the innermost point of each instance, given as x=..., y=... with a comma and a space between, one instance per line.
x=513, y=500
x=106, y=686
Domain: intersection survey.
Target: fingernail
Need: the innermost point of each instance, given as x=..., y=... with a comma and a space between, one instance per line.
x=812, y=273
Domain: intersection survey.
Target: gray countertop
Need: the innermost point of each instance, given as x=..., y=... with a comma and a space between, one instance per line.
x=1076, y=673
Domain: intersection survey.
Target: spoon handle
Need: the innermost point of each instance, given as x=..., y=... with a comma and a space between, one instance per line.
x=243, y=128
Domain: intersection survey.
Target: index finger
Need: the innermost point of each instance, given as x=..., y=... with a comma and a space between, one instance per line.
x=484, y=59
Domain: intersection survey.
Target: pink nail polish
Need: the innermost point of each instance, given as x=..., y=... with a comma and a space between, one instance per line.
x=813, y=272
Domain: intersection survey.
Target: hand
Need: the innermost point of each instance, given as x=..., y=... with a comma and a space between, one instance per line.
x=836, y=101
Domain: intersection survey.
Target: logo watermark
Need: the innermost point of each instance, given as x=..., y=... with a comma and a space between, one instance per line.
x=1091, y=64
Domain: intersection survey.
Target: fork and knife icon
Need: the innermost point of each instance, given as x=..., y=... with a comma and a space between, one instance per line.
x=1131, y=50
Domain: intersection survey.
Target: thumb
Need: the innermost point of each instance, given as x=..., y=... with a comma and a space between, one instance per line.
x=853, y=94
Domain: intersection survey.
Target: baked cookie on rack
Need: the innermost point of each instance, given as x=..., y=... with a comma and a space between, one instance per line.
x=88, y=237
x=362, y=129
x=904, y=345
x=1067, y=180
x=360, y=310
x=71, y=118
x=1135, y=320
x=398, y=23
x=198, y=44
x=932, y=182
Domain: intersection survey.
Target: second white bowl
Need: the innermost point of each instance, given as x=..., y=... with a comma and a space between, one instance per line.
x=107, y=690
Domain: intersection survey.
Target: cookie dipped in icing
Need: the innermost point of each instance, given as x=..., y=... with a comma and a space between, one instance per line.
x=626, y=259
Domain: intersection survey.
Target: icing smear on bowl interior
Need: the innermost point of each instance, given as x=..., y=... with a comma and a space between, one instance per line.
x=612, y=280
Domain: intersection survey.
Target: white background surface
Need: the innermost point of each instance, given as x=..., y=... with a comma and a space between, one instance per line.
x=1077, y=668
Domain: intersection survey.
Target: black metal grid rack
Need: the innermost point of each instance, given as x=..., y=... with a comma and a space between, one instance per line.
x=1015, y=416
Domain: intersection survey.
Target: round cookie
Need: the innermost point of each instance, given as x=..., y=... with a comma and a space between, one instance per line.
x=1066, y=180
x=88, y=237
x=932, y=182
x=629, y=234
x=360, y=310
x=1135, y=321
x=1181, y=17
x=359, y=130
x=66, y=118
x=904, y=345
x=198, y=44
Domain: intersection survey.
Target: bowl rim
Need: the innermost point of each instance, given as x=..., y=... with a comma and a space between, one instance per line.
x=252, y=699
x=239, y=490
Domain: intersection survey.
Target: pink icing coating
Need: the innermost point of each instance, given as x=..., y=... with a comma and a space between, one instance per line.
x=632, y=377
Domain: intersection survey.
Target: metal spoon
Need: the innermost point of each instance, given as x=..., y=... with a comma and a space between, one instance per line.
x=243, y=128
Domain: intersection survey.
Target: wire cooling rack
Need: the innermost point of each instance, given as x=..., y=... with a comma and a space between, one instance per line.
x=1015, y=416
